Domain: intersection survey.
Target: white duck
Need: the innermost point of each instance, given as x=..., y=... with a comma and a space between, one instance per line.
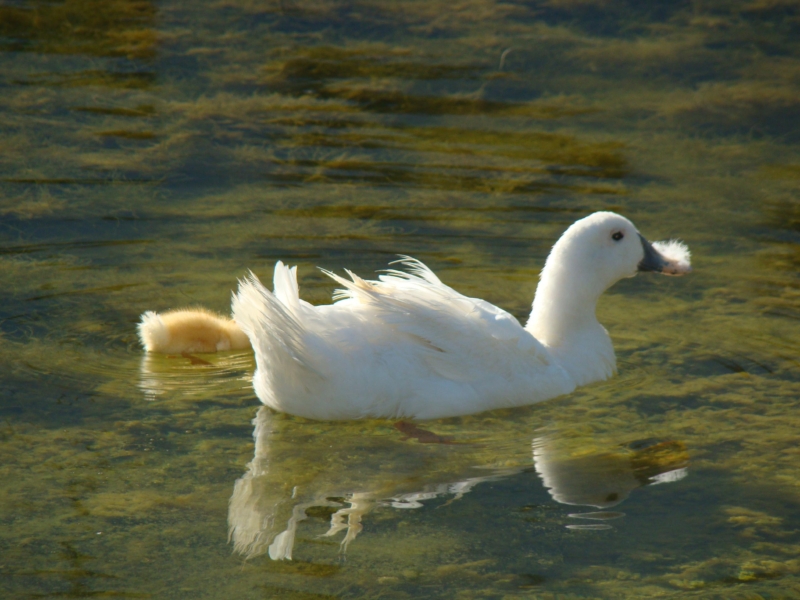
x=408, y=346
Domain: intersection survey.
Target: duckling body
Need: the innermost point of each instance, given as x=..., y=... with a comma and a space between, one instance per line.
x=190, y=330
x=409, y=346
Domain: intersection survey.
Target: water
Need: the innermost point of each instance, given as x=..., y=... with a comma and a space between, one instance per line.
x=154, y=152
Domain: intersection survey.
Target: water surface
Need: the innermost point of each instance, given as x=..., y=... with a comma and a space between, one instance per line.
x=154, y=152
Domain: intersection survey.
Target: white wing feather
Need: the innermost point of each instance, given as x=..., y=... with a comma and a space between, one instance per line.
x=417, y=303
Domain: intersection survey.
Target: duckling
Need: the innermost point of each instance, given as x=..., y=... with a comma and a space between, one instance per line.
x=190, y=330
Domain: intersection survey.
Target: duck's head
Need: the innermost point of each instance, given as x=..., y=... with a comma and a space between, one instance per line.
x=605, y=247
x=591, y=256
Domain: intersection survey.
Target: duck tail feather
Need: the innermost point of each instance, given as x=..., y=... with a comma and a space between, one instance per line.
x=275, y=332
x=286, y=289
x=415, y=267
x=356, y=288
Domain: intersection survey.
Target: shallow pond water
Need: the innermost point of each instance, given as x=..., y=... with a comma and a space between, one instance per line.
x=154, y=152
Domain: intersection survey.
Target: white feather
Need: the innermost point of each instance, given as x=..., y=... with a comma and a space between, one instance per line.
x=676, y=252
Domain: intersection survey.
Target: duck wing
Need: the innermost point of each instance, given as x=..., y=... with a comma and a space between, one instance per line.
x=463, y=338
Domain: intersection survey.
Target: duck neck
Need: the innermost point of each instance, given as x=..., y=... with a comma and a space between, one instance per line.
x=563, y=318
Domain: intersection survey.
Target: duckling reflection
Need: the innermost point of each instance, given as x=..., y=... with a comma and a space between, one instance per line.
x=195, y=375
x=281, y=489
x=576, y=473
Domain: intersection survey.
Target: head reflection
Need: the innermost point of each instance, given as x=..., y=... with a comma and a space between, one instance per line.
x=342, y=485
x=578, y=473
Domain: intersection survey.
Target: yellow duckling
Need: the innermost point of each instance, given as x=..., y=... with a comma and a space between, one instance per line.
x=190, y=330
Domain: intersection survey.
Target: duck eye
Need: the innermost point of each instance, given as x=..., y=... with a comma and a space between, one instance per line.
x=617, y=236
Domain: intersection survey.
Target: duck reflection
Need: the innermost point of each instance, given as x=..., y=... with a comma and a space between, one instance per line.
x=576, y=473
x=351, y=476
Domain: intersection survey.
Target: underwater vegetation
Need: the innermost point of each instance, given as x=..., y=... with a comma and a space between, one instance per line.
x=152, y=153
x=117, y=28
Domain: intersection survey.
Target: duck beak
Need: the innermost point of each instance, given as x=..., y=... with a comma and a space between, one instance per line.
x=674, y=260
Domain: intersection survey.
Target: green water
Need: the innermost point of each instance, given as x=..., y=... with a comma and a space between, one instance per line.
x=152, y=153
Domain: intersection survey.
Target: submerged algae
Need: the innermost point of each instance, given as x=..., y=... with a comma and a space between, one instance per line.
x=341, y=135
